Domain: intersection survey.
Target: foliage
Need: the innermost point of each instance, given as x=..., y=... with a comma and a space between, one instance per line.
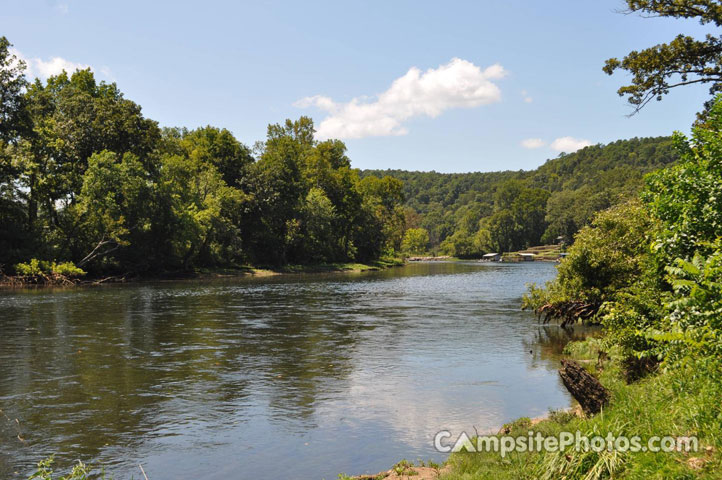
x=80, y=471
x=37, y=267
x=470, y=214
x=85, y=177
x=654, y=268
x=687, y=197
x=683, y=61
x=606, y=259
x=416, y=241
x=670, y=313
x=12, y=101
x=695, y=316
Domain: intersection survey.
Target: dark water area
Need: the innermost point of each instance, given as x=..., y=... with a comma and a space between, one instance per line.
x=294, y=377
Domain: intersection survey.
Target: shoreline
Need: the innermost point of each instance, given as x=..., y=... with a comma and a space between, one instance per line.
x=18, y=282
x=405, y=470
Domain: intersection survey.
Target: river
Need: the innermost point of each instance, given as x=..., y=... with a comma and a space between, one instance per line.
x=293, y=377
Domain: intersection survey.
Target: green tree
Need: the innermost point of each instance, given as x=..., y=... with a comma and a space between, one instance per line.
x=12, y=101
x=72, y=118
x=113, y=211
x=503, y=231
x=218, y=147
x=385, y=196
x=201, y=207
x=416, y=241
x=683, y=61
x=319, y=215
x=279, y=190
x=14, y=239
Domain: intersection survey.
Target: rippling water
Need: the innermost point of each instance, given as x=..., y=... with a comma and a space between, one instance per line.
x=282, y=377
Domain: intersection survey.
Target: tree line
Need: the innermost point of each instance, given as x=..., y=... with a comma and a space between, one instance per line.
x=86, y=178
x=469, y=214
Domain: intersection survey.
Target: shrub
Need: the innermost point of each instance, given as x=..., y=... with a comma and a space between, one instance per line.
x=36, y=268
x=79, y=472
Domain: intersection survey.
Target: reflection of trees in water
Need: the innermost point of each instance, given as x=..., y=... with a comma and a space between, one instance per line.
x=108, y=368
x=548, y=342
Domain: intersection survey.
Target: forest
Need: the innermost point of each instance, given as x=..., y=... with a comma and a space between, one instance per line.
x=469, y=214
x=87, y=182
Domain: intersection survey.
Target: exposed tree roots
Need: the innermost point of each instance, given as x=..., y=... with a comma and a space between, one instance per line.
x=569, y=312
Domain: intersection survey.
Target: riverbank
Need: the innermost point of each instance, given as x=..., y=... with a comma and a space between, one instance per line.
x=230, y=272
x=679, y=404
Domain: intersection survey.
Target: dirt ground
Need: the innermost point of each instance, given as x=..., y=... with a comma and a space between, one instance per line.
x=412, y=473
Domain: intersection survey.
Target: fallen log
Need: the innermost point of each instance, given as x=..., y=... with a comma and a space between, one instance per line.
x=584, y=387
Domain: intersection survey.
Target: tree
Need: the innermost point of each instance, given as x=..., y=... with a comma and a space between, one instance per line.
x=319, y=215
x=200, y=210
x=12, y=101
x=218, y=147
x=385, y=196
x=416, y=241
x=13, y=123
x=113, y=210
x=687, y=196
x=529, y=210
x=74, y=117
x=683, y=61
x=503, y=231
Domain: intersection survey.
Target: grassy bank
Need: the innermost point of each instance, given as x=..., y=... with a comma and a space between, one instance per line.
x=678, y=403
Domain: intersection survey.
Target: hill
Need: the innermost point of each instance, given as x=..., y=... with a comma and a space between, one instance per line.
x=467, y=214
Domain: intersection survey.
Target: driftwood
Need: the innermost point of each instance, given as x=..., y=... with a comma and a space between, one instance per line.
x=584, y=387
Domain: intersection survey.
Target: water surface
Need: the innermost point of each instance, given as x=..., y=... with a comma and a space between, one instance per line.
x=282, y=377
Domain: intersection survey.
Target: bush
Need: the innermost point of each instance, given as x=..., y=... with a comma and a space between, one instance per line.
x=79, y=472
x=37, y=268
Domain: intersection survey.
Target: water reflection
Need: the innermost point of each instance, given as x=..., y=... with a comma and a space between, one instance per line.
x=292, y=377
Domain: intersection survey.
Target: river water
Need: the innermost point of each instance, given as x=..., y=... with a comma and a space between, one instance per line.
x=293, y=377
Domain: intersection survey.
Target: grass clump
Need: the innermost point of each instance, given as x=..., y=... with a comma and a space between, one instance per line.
x=80, y=471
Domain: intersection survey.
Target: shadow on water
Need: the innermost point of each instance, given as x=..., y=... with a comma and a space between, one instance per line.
x=309, y=374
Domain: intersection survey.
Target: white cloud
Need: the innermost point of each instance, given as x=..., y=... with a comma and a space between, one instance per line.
x=37, y=67
x=569, y=144
x=457, y=84
x=62, y=8
x=106, y=71
x=525, y=95
x=532, y=143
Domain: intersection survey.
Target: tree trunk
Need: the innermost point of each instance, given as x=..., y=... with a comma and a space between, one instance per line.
x=584, y=387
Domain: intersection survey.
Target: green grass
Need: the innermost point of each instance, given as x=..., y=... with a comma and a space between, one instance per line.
x=683, y=402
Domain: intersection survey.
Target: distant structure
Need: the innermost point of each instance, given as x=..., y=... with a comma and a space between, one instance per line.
x=527, y=257
x=491, y=257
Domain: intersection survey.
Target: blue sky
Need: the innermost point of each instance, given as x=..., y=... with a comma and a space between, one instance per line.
x=407, y=84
